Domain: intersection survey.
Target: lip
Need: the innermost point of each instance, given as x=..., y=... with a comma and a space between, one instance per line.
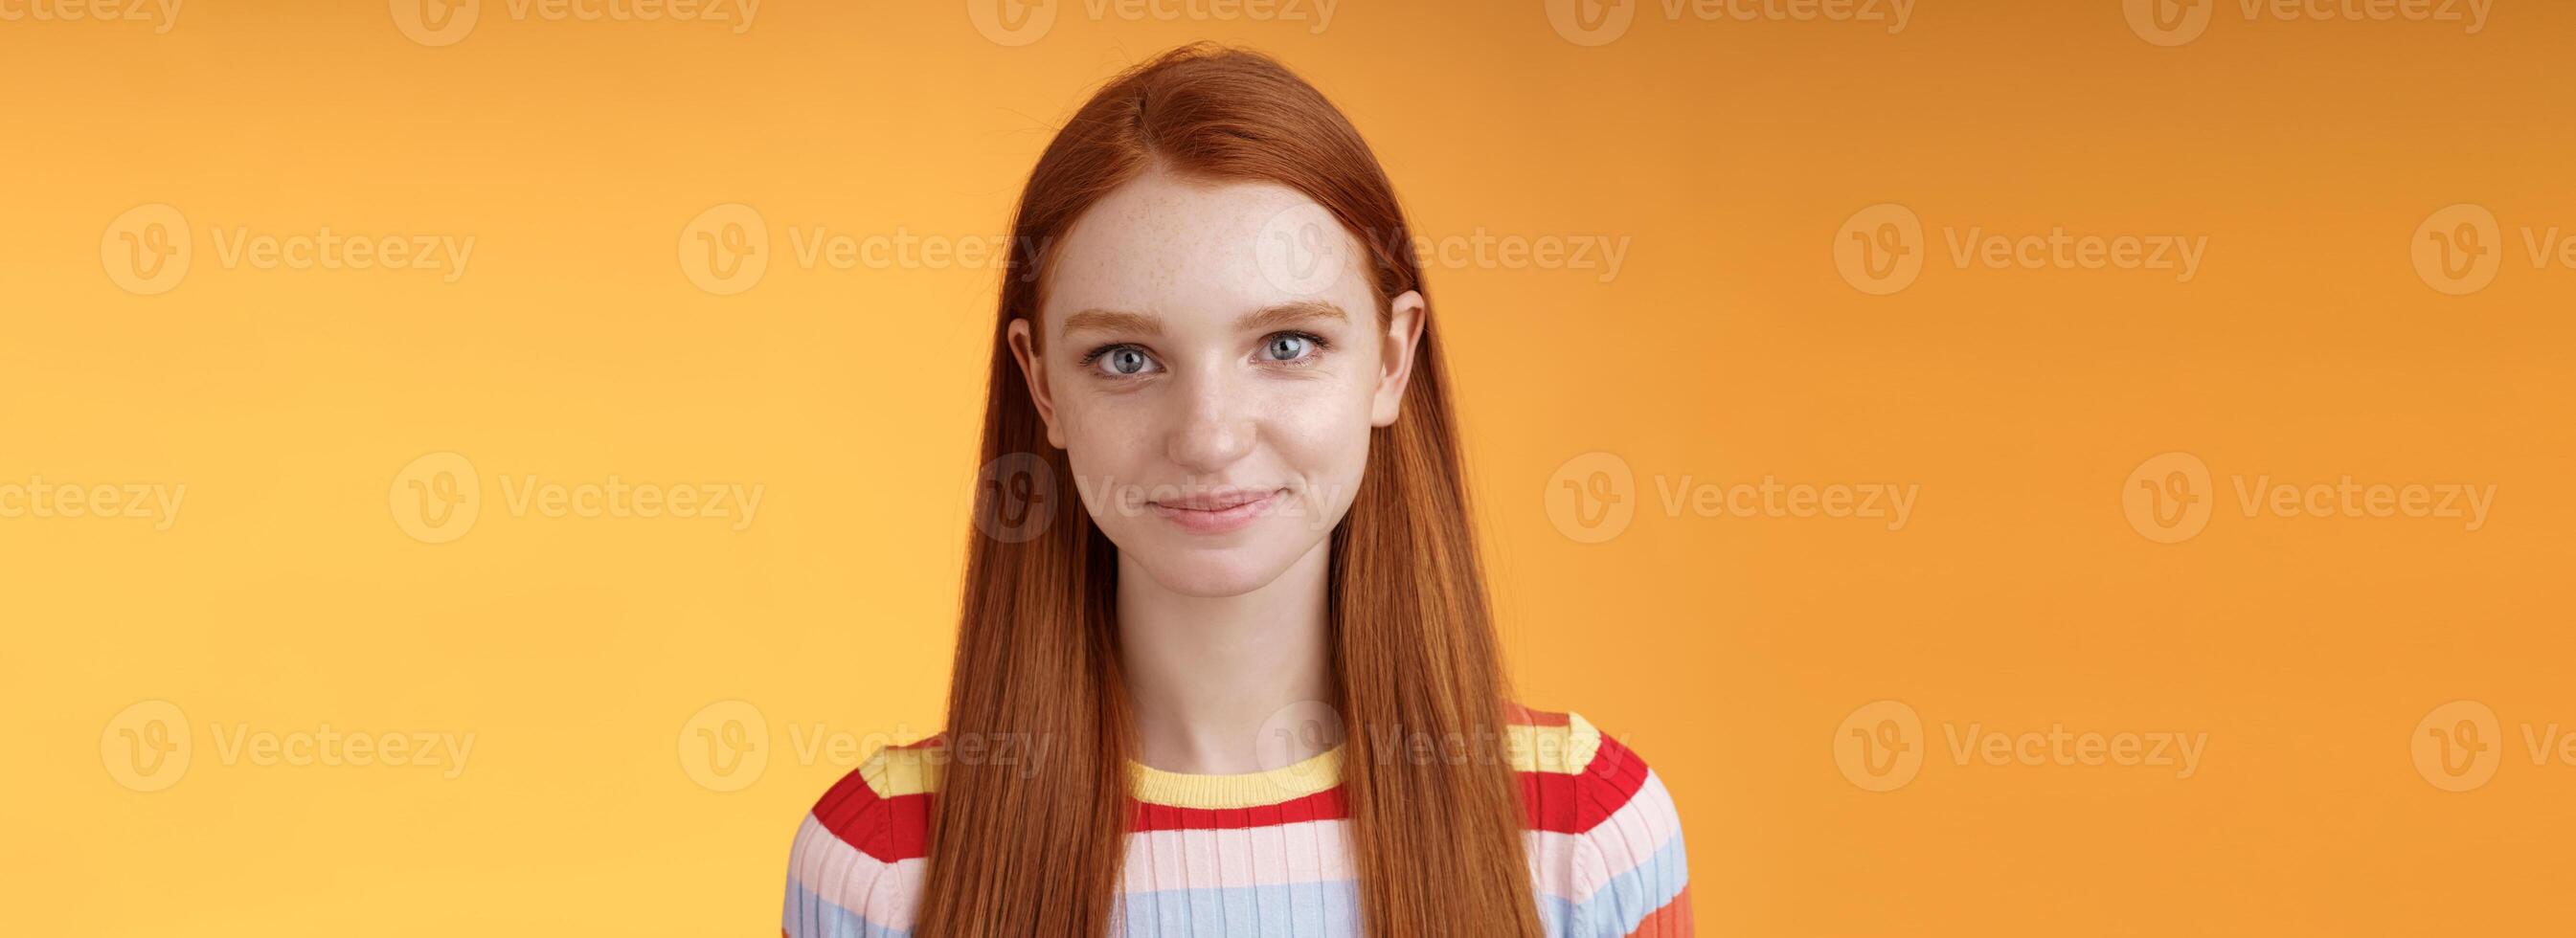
x=1217, y=512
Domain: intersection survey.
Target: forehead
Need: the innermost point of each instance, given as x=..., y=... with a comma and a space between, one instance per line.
x=1190, y=250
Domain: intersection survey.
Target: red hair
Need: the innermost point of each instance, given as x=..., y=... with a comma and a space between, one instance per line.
x=1436, y=842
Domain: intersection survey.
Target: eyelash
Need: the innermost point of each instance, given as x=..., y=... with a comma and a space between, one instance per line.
x=1319, y=342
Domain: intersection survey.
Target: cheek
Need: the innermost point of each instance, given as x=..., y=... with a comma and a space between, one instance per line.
x=1106, y=439
x=1322, y=433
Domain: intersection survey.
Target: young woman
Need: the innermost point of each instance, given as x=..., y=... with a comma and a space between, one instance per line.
x=1226, y=666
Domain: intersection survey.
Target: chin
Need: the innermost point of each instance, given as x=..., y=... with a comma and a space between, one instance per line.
x=1210, y=571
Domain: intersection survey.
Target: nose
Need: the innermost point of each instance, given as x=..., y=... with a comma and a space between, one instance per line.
x=1212, y=426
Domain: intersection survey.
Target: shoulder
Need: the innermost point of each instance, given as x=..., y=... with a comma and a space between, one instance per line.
x=858, y=859
x=1577, y=776
x=1605, y=838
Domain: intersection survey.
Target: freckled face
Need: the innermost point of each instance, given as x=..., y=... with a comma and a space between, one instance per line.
x=1215, y=402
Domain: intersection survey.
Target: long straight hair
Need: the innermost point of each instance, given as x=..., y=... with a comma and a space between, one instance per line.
x=1434, y=806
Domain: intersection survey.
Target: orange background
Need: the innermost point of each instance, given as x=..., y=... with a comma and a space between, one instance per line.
x=287, y=594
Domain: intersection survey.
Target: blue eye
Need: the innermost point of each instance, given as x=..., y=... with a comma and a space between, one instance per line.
x=1120, y=361
x=1127, y=361
x=1289, y=347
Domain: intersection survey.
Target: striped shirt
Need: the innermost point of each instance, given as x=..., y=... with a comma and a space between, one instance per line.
x=1267, y=853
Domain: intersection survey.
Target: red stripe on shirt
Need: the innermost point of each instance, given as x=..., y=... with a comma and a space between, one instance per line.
x=1574, y=804
x=888, y=829
x=1324, y=805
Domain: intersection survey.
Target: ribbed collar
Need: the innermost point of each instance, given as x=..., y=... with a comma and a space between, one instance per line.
x=1249, y=790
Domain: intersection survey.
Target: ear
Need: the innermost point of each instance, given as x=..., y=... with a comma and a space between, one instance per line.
x=1407, y=314
x=1033, y=370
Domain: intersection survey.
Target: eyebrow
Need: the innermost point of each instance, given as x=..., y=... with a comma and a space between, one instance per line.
x=1289, y=314
x=1270, y=317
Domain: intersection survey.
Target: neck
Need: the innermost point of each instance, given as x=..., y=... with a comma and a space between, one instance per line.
x=1230, y=684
